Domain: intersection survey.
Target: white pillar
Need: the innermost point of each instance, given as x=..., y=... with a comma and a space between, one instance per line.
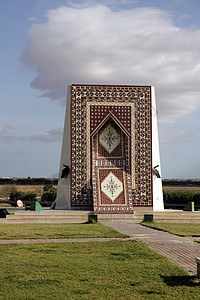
x=63, y=199
x=157, y=182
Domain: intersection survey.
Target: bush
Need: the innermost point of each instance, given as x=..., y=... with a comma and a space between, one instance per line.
x=48, y=196
x=30, y=197
x=181, y=197
x=49, y=188
x=14, y=196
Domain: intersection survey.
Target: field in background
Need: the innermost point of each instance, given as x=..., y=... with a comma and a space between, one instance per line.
x=181, y=188
x=6, y=189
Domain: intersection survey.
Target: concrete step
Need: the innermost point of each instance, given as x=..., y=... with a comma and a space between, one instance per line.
x=49, y=212
x=117, y=217
x=49, y=221
x=47, y=216
x=171, y=216
x=77, y=216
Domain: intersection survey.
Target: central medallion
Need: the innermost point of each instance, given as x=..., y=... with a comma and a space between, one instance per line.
x=111, y=186
x=109, y=138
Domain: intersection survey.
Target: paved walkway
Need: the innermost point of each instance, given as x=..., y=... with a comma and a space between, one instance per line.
x=82, y=240
x=181, y=250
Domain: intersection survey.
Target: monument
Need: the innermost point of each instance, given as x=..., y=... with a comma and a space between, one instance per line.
x=110, y=161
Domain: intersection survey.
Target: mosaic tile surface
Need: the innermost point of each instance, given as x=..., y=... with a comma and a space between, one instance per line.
x=111, y=186
x=109, y=138
x=129, y=107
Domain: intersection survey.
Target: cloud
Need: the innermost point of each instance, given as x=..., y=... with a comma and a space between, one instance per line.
x=4, y=137
x=32, y=19
x=96, y=44
x=176, y=2
x=53, y=135
x=173, y=135
x=3, y=128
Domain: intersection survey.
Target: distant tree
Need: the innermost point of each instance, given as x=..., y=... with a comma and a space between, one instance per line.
x=49, y=188
x=49, y=194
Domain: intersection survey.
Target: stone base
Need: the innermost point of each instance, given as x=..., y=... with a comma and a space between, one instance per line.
x=197, y=259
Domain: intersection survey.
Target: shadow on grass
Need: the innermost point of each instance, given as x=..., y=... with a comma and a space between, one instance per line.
x=153, y=225
x=150, y=225
x=181, y=280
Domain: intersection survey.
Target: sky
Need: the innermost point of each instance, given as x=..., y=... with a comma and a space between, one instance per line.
x=48, y=44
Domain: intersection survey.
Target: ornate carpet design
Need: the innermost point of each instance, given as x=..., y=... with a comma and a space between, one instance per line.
x=111, y=186
x=110, y=141
x=111, y=147
x=109, y=138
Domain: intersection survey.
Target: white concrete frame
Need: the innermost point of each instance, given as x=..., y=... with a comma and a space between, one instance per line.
x=157, y=182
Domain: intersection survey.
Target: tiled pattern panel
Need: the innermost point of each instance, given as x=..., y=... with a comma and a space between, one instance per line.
x=99, y=112
x=112, y=189
x=123, y=115
x=111, y=186
x=110, y=141
x=131, y=96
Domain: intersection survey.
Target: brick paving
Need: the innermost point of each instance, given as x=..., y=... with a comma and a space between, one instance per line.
x=181, y=250
x=36, y=241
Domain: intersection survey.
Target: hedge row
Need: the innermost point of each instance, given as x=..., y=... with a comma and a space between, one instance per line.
x=14, y=196
x=28, y=181
x=49, y=195
x=178, y=182
x=181, y=197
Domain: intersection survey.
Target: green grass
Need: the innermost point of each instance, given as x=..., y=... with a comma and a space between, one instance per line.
x=107, y=270
x=11, y=212
x=181, y=229
x=61, y=231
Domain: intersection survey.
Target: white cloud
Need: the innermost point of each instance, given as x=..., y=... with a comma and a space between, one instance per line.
x=173, y=135
x=53, y=135
x=95, y=44
x=3, y=128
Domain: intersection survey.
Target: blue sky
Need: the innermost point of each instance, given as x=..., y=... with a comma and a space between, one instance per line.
x=48, y=44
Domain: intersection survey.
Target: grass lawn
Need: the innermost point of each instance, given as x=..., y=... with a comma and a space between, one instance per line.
x=50, y=231
x=182, y=229
x=107, y=270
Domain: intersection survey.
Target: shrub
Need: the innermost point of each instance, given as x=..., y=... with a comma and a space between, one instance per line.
x=14, y=196
x=48, y=196
x=49, y=188
x=30, y=197
x=181, y=197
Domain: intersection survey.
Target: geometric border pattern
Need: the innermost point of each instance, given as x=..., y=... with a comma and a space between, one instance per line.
x=119, y=167
x=128, y=129
x=140, y=98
